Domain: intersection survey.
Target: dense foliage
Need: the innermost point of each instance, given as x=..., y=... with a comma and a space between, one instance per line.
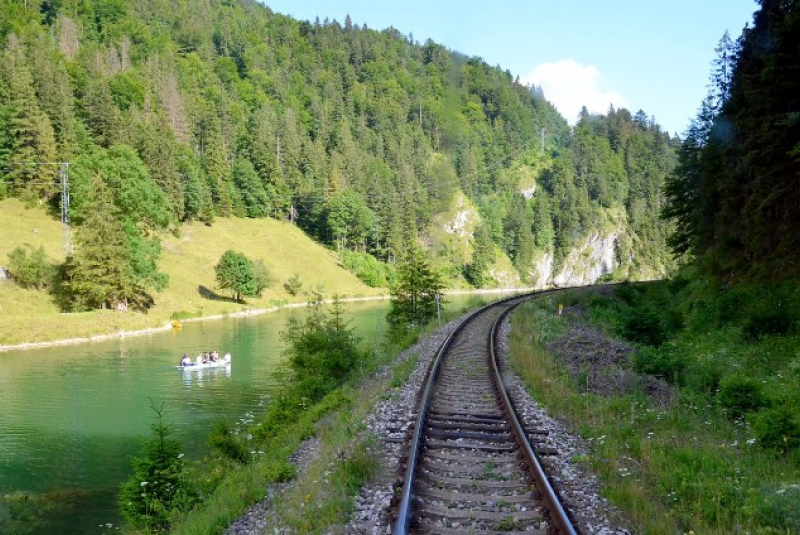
x=322, y=351
x=732, y=347
x=698, y=434
x=356, y=135
x=30, y=267
x=735, y=197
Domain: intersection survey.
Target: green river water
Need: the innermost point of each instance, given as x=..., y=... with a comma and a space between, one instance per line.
x=72, y=416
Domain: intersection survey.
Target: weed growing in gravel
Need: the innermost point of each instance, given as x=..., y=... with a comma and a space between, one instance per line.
x=403, y=371
x=506, y=524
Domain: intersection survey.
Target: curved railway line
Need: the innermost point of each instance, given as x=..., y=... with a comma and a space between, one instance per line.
x=470, y=466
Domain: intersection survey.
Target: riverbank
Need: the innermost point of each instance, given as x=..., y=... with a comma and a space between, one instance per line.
x=30, y=319
x=169, y=324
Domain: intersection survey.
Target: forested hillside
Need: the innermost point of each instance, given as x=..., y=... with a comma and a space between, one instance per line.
x=735, y=198
x=176, y=111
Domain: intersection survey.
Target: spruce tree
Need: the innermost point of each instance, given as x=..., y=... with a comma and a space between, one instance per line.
x=413, y=302
x=98, y=275
x=33, y=147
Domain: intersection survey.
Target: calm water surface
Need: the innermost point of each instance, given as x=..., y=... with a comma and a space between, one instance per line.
x=73, y=416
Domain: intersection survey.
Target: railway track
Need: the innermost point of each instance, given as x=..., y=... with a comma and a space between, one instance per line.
x=470, y=467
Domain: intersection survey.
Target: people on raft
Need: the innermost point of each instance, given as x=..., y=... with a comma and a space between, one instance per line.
x=206, y=357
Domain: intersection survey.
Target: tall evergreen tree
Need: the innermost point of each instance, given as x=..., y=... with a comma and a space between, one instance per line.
x=98, y=273
x=33, y=149
x=414, y=297
x=734, y=201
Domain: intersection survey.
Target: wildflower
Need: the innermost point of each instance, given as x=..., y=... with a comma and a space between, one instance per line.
x=751, y=441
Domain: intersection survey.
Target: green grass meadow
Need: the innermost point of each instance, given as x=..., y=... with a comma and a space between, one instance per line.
x=188, y=258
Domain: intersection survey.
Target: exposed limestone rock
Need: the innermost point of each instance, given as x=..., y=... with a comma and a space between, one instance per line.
x=589, y=261
x=541, y=272
x=465, y=219
x=528, y=192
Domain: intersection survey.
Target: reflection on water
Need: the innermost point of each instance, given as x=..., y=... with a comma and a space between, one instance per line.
x=74, y=415
x=192, y=376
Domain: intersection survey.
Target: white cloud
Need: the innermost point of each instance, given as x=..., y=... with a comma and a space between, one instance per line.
x=570, y=85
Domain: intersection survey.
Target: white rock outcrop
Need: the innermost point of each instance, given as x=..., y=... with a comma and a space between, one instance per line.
x=594, y=257
x=464, y=221
x=541, y=272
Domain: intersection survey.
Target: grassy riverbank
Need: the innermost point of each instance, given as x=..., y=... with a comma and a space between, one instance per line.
x=188, y=259
x=698, y=428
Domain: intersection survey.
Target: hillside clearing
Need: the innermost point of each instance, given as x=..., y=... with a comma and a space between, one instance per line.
x=188, y=259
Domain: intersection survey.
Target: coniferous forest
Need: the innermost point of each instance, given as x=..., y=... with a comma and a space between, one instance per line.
x=735, y=196
x=176, y=111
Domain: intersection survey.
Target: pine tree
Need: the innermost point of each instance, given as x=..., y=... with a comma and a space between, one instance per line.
x=98, y=275
x=482, y=256
x=158, y=487
x=33, y=148
x=418, y=287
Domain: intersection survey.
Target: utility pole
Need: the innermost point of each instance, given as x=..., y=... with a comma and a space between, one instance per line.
x=67, y=231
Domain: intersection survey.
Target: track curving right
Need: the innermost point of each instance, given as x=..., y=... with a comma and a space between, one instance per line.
x=468, y=471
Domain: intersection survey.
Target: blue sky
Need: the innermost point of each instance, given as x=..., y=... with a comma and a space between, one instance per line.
x=653, y=55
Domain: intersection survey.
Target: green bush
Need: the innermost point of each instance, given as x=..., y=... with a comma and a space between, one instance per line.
x=293, y=285
x=740, y=395
x=777, y=428
x=703, y=375
x=669, y=365
x=230, y=446
x=627, y=293
x=30, y=268
x=644, y=325
x=322, y=352
x=766, y=321
x=369, y=269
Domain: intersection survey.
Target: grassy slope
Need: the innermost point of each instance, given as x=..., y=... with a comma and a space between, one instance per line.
x=30, y=316
x=682, y=466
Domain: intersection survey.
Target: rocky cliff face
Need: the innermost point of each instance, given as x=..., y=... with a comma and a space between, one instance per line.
x=597, y=254
x=593, y=257
x=586, y=263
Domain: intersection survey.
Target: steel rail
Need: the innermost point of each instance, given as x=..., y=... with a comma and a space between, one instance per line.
x=402, y=523
x=404, y=510
x=557, y=513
